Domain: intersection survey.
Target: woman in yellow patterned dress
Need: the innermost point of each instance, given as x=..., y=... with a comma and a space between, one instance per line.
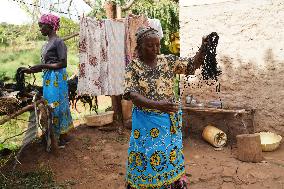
x=155, y=154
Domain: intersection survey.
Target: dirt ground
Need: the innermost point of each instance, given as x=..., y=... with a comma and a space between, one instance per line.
x=97, y=159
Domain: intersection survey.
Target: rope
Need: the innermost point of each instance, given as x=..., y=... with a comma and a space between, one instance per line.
x=47, y=131
x=35, y=109
x=31, y=4
x=49, y=125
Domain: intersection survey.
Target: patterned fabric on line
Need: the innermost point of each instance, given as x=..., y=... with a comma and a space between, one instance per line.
x=132, y=23
x=102, y=57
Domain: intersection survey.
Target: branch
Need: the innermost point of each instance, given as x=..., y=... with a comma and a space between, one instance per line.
x=128, y=5
x=21, y=111
x=70, y=36
x=88, y=2
x=69, y=6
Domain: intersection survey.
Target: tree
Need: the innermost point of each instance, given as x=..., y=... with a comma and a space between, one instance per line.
x=166, y=11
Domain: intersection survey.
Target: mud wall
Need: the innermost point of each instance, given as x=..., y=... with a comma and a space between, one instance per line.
x=250, y=53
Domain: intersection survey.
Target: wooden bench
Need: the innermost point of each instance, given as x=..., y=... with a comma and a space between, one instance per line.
x=232, y=121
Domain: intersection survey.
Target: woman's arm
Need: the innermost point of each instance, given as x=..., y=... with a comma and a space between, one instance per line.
x=188, y=65
x=198, y=59
x=53, y=66
x=141, y=101
x=40, y=67
x=61, y=61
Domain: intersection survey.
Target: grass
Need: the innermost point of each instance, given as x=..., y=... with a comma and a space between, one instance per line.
x=103, y=103
x=12, y=128
x=11, y=60
x=42, y=178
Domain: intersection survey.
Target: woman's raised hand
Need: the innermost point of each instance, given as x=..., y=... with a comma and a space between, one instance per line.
x=204, y=43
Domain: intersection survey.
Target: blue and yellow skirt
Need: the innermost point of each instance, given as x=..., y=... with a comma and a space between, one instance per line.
x=155, y=154
x=55, y=93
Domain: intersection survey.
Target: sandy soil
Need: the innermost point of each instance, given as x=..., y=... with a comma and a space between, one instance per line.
x=97, y=159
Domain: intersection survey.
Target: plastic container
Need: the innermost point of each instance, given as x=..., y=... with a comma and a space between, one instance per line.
x=215, y=104
x=188, y=99
x=269, y=141
x=214, y=136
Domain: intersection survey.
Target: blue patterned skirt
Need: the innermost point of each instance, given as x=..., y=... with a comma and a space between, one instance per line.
x=55, y=93
x=155, y=154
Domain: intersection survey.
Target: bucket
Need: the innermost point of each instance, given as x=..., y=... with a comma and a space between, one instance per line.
x=214, y=136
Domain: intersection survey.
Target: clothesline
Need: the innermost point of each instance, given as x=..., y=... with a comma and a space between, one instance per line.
x=38, y=6
x=106, y=47
x=71, y=36
x=77, y=33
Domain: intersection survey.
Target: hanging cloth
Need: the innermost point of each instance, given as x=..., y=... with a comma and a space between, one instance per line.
x=116, y=56
x=132, y=23
x=101, y=52
x=156, y=24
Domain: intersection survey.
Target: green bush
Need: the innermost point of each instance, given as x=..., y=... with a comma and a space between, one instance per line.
x=166, y=11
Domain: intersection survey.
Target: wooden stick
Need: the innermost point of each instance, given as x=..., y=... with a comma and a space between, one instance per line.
x=215, y=110
x=116, y=100
x=128, y=5
x=21, y=111
x=70, y=36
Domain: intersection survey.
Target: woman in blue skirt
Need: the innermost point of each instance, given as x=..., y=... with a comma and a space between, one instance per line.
x=155, y=154
x=53, y=65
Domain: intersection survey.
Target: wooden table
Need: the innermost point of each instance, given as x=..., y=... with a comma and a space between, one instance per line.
x=215, y=110
x=232, y=121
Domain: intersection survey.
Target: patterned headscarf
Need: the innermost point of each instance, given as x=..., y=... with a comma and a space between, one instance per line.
x=51, y=20
x=144, y=32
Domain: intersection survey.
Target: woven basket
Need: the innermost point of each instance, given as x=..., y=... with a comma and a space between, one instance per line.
x=101, y=119
x=269, y=141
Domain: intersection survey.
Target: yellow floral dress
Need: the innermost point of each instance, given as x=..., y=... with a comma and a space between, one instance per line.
x=155, y=154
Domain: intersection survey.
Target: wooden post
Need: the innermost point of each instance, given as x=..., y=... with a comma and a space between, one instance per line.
x=110, y=8
x=118, y=12
x=249, y=148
